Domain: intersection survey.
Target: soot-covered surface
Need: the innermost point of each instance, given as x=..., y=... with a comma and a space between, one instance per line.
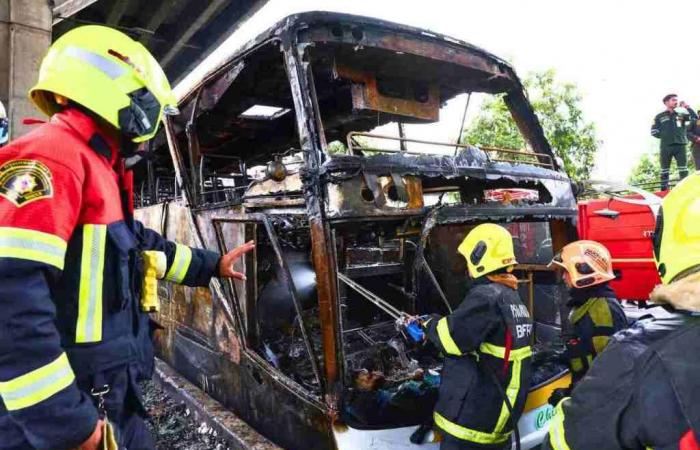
x=173, y=425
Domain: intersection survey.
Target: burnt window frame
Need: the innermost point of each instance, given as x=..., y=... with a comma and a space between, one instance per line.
x=248, y=324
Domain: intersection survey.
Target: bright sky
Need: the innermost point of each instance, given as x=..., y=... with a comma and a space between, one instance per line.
x=624, y=55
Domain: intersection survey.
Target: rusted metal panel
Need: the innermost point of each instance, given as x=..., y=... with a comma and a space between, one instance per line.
x=366, y=95
x=322, y=253
x=290, y=184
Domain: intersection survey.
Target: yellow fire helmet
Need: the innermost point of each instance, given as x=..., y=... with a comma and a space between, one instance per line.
x=677, y=234
x=111, y=75
x=587, y=262
x=487, y=248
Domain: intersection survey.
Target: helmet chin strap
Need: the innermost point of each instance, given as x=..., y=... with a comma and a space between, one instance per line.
x=133, y=153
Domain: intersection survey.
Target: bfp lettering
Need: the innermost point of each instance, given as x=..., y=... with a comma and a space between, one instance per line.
x=523, y=330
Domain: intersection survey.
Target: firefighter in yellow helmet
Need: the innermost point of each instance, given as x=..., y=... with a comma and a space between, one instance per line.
x=643, y=391
x=74, y=335
x=486, y=344
x=595, y=313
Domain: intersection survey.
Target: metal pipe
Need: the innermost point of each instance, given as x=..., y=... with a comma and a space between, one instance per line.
x=351, y=144
x=372, y=297
x=461, y=124
x=432, y=277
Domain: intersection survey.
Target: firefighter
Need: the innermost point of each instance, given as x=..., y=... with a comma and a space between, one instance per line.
x=4, y=126
x=595, y=312
x=486, y=344
x=74, y=340
x=643, y=390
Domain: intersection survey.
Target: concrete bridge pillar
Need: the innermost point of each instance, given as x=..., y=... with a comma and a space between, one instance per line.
x=25, y=35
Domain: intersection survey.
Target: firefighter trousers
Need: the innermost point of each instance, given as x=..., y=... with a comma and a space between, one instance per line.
x=122, y=404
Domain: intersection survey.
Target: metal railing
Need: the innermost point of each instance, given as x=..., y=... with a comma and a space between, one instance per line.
x=536, y=158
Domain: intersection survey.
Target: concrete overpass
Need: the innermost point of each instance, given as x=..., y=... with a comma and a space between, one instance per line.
x=180, y=33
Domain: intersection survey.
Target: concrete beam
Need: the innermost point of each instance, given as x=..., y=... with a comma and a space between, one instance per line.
x=220, y=40
x=68, y=8
x=166, y=8
x=117, y=11
x=214, y=7
x=25, y=35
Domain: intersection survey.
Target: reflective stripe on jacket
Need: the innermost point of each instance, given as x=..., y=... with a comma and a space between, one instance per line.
x=69, y=271
x=642, y=392
x=594, y=321
x=471, y=406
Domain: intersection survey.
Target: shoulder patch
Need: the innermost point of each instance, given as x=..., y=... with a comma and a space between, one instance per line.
x=23, y=181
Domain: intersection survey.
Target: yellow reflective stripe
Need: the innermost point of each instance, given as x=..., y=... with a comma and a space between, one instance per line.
x=32, y=245
x=598, y=310
x=576, y=364
x=446, y=340
x=38, y=385
x=181, y=263
x=516, y=354
x=557, y=436
x=600, y=313
x=467, y=434
x=89, y=325
x=512, y=394
x=600, y=342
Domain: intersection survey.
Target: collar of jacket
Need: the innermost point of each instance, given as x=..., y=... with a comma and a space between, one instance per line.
x=506, y=279
x=579, y=296
x=683, y=294
x=85, y=127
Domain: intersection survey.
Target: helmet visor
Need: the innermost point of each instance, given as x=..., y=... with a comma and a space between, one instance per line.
x=557, y=261
x=141, y=117
x=4, y=131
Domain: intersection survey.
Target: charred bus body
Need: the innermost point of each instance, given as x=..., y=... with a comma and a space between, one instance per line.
x=286, y=143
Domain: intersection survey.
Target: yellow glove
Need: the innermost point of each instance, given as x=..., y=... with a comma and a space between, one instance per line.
x=109, y=441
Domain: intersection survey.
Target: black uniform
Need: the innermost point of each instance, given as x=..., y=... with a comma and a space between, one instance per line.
x=693, y=135
x=670, y=128
x=595, y=316
x=490, y=322
x=642, y=392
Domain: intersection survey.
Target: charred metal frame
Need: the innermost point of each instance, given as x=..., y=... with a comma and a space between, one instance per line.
x=263, y=219
x=295, y=36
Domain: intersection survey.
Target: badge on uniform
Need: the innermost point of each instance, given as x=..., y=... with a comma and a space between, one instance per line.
x=23, y=181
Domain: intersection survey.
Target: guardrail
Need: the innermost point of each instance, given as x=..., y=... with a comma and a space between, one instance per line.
x=536, y=158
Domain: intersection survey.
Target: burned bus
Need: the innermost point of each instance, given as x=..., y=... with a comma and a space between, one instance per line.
x=305, y=141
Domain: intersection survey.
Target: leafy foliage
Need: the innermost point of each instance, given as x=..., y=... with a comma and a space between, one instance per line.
x=558, y=107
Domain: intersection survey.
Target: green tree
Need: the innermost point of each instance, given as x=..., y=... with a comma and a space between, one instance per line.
x=646, y=171
x=557, y=105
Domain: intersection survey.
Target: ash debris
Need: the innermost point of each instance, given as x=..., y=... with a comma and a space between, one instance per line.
x=174, y=426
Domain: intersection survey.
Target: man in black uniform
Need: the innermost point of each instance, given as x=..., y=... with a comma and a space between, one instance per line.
x=670, y=128
x=643, y=391
x=486, y=343
x=693, y=135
